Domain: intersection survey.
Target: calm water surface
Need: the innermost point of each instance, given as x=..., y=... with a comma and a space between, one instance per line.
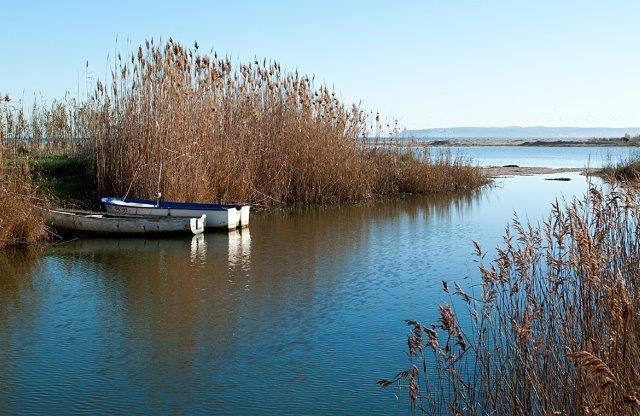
x=553, y=157
x=300, y=314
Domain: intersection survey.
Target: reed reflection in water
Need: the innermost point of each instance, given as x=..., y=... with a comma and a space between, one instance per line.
x=300, y=315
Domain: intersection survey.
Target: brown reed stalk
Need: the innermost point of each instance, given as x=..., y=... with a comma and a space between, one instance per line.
x=20, y=221
x=249, y=133
x=554, y=328
x=626, y=172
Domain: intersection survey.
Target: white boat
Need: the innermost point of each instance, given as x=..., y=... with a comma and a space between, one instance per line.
x=108, y=224
x=218, y=215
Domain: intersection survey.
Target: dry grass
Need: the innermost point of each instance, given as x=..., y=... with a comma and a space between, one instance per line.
x=625, y=171
x=553, y=327
x=61, y=127
x=184, y=122
x=20, y=221
x=188, y=124
x=250, y=134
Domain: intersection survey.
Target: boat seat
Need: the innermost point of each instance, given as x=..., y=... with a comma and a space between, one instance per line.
x=131, y=204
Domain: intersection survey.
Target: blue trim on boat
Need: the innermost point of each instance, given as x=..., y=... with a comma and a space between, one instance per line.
x=172, y=205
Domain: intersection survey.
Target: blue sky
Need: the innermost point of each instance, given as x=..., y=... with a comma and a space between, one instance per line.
x=427, y=63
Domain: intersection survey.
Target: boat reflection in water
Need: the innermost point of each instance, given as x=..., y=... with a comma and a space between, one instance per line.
x=283, y=319
x=178, y=249
x=240, y=248
x=198, y=249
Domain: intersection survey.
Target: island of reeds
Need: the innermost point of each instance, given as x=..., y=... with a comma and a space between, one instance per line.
x=199, y=128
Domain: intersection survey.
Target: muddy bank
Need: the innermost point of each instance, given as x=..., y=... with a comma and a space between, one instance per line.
x=501, y=171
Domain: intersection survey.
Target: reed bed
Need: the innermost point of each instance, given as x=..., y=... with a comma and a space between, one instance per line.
x=20, y=221
x=552, y=328
x=57, y=128
x=625, y=171
x=195, y=128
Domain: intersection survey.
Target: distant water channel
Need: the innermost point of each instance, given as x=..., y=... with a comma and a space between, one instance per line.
x=299, y=314
x=538, y=156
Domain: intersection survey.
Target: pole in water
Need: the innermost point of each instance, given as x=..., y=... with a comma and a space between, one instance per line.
x=158, y=193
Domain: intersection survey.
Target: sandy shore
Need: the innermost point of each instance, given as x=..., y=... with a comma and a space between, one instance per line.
x=502, y=171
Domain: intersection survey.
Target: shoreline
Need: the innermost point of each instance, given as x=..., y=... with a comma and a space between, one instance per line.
x=620, y=142
x=505, y=171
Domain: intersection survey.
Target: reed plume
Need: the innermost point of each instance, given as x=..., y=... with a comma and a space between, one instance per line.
x=20, y=221
x=213, y=131
x=554, y=328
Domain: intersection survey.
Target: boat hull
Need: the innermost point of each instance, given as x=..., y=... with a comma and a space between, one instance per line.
x=100, y=223
x=218, y=216
x=228, y=219
x=244, y=215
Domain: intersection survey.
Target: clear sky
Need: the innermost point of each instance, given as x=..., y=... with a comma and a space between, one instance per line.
x=427, y=63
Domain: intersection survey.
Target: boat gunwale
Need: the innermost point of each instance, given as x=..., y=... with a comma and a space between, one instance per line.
x=168, y=204
x=119, y=216
x=73, y=221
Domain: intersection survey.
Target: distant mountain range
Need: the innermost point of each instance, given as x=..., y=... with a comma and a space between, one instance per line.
x=516, y=132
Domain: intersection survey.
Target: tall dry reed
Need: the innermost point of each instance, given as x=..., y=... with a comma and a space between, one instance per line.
x=59, y=127
x=198, y=129
x=626, y=172
x=552, y=329
x=20, y=221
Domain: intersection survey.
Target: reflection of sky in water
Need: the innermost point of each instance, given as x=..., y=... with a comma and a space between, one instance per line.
x=555, y=157
x=301, y=315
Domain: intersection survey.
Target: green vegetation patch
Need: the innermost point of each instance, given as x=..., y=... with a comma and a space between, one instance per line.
x=67, y=179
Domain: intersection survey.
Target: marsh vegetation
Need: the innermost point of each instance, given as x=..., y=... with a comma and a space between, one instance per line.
x=202, y=129
x=551, y=326
x=625, y=171
x=21, y=222
x=252, y=133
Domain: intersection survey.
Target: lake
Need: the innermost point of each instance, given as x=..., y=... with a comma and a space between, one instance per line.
x=300, y=314
x=537, y=156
